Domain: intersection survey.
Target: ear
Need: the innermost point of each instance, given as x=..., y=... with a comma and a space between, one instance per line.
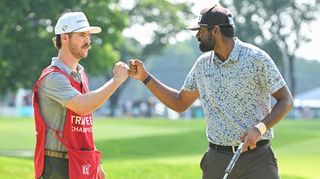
x=216, y=29
x=64, y=38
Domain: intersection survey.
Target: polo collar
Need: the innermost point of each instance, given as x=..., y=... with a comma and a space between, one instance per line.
x=58, y=63
x=235, y=53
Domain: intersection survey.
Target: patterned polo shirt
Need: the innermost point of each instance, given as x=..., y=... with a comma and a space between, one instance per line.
x=235, y=94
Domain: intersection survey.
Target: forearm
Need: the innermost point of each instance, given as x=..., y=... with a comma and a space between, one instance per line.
x=87, y=103
x=278, y=112
x=176, y=100
x=168, y=96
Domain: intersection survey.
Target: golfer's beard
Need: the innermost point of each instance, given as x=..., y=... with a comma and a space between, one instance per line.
x=77, y=52
x=208, y=45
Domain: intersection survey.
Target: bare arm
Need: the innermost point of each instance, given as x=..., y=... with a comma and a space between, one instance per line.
x=176, y=100
x=87, y=103
x=281, y=108
x=278, y=112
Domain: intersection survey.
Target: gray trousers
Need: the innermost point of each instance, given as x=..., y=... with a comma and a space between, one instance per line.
x=259, y=163
x=55, y=168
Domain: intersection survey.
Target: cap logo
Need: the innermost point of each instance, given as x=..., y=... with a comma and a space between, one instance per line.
x=199, y=18
x=64, y=28
x=81, y=20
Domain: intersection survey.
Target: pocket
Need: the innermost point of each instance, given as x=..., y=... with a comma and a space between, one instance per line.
x=273, y=159
x=83, y=164
x=203, y=162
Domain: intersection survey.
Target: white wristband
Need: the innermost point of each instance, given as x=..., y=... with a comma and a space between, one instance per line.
x=261, y=127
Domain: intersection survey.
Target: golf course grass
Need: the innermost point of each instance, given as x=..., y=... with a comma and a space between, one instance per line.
x=160, y=148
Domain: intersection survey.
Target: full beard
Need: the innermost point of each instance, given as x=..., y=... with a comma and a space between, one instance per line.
x=207, y=45
x=78, y=52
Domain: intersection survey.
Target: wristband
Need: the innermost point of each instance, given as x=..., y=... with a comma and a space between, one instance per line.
x=261, y=127
x=146, y=81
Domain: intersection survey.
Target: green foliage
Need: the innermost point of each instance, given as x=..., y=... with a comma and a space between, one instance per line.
x=26, y=46
x=163, y=149
x=276, y=26
x=274, y=22
x=168, y=17
x=27, y=29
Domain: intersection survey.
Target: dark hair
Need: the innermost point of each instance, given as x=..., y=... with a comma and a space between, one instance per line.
x=227, y=31
x=57, y=41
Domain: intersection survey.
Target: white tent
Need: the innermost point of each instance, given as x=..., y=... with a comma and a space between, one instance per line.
x=309, y=99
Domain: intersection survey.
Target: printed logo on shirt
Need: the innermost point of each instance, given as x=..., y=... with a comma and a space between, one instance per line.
x=85, y=169
x=81, y=124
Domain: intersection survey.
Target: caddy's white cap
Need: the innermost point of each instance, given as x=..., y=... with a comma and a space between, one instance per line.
x=74, y=22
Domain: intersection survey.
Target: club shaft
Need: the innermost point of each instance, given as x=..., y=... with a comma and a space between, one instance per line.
x=233, y=160
x=225, y=176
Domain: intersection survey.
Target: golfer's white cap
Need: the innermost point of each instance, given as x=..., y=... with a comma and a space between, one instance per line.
x=74, y=22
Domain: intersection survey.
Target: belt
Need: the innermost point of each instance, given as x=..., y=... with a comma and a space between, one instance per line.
x=56, y=154
x=232, y=149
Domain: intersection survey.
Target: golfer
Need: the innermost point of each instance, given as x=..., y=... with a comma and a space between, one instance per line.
x=235, y=82
x=63, y=106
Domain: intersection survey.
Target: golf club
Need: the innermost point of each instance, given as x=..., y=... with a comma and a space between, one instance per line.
x=233, y=161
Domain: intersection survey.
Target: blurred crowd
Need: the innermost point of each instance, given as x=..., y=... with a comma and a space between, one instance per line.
x=20, y=104
x=148, y=108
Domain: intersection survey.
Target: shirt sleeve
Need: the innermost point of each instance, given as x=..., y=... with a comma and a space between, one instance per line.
x=190, y=81
x=58, y=87
x=273, y=78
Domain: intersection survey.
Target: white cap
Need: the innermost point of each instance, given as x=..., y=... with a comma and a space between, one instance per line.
x=74, y=22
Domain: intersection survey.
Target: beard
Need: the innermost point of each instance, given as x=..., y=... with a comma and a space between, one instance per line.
x=78, y=51
x=207, y=45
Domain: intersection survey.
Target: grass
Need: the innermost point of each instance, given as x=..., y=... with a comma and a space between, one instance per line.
x=162, y=149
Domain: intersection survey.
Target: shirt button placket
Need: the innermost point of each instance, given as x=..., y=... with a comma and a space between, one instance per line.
x=223, y=76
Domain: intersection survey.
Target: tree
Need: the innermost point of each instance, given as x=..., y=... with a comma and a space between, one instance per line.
x=276, y=26
x=26, y=32
x=167, y=18
x=28, y=25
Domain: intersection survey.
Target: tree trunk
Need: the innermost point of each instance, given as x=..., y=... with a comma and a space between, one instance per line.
x=114, y=98
x=292, y=77
x=114, y=101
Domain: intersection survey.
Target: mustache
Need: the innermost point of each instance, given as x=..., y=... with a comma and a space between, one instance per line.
x=86, y=46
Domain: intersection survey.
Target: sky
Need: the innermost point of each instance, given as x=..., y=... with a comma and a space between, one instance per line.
x=307, y=51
